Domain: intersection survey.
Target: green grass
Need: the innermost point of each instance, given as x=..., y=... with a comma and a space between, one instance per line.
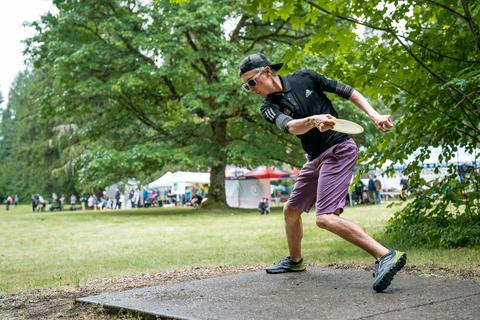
x=41, y=250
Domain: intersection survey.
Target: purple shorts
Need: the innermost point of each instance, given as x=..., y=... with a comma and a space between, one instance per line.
x=324, y=181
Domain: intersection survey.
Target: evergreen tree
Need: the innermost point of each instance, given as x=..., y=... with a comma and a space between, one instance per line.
x=31, y=149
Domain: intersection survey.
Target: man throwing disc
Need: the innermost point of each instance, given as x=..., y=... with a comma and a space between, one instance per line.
x=297, y=104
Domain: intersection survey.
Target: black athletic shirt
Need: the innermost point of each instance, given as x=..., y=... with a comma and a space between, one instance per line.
x=303, y=96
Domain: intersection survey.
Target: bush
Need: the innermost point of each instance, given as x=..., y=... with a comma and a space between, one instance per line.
x=437, y=219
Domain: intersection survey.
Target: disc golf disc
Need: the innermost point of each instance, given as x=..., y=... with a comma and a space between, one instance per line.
x=348, y=127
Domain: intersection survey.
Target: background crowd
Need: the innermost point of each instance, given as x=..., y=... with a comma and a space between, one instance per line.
x=119, y=199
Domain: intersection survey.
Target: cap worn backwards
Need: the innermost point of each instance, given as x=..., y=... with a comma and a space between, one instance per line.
x=257, y=60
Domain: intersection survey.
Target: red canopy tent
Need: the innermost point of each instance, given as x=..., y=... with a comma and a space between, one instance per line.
x=268, y=173
x=296, y=172
x=235, y=172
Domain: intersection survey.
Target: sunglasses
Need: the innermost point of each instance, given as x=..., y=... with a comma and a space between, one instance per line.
x=252, y=82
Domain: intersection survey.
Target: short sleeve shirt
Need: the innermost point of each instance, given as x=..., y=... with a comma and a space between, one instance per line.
x=304, y=95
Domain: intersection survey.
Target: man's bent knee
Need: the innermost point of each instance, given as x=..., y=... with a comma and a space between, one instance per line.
x=324, y=221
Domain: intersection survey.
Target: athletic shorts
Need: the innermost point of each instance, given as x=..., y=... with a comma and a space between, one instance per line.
x=324, y=181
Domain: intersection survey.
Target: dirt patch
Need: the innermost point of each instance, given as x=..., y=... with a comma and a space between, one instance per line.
x=60, y=303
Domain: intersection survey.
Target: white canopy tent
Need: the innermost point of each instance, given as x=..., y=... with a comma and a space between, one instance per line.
x=162, y=182
x=191, y=177
x=246, y=193
x=241, y=193
x=178, y=180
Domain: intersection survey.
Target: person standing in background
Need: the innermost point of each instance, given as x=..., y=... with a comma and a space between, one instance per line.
x=9, y=202
x=371, y=190
x=378, y=189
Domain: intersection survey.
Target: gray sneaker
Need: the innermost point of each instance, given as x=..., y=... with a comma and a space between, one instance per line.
x=386, y=267
x=286, y=265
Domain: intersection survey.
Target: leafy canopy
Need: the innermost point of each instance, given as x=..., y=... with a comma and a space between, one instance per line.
x=421, y=59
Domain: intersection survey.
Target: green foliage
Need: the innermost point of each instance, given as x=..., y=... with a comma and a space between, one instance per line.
x=440, y=215
x=436, y=229
x=163, y=75
x=421, y=60
x=433, y=229
x=31, y=149
x=6, y=131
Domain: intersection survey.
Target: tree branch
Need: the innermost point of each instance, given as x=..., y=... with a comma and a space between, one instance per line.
x=459, y=104
x=391, y=31
x=404, y=45
x=191, y=42
x=417, y=59
x=238, y=27
x=135, y=51
x=210, y=68
x=433, y=73
x=266, y=36
x=473, y=26
x=436, y=52
x=366, y=24
x=446, y=8
x=139, y=113
x=197, y=68
x=287, y=36
x=428, y=103
x=171, y=87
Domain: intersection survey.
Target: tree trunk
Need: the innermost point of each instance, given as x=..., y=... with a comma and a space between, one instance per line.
x=216, y=191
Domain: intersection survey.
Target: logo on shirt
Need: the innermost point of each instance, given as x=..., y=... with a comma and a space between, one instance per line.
x=287, y=111
x=308, y=93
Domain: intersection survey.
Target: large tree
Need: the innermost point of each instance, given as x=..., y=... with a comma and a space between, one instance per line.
x=155, y=84
x=422, y=59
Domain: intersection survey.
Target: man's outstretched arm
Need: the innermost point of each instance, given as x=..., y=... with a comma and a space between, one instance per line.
x=383, y=122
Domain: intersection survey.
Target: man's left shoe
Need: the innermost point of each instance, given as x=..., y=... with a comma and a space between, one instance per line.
x=386, y=267
x=286, y=265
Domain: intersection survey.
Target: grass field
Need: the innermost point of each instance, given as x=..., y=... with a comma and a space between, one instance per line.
x=44, y=250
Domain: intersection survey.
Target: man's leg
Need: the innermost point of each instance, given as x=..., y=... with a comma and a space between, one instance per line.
x=388, y=263
x=301, y=200
x=352, y=233
x=334, y=178
x=294, y=231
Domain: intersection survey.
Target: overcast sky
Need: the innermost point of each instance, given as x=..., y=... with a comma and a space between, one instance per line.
x=13, y=13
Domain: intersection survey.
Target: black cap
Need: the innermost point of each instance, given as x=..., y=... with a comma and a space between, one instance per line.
x=257, y=60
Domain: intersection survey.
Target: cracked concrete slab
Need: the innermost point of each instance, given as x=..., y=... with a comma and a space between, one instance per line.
x=318, y=293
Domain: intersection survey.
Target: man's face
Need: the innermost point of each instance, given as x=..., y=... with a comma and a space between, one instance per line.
x=262, y=76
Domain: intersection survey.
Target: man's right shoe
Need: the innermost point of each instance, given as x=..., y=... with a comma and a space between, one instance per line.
x=286, y=265
x=386, y=267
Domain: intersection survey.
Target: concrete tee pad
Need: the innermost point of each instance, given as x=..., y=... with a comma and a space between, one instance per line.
x=318, y=293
